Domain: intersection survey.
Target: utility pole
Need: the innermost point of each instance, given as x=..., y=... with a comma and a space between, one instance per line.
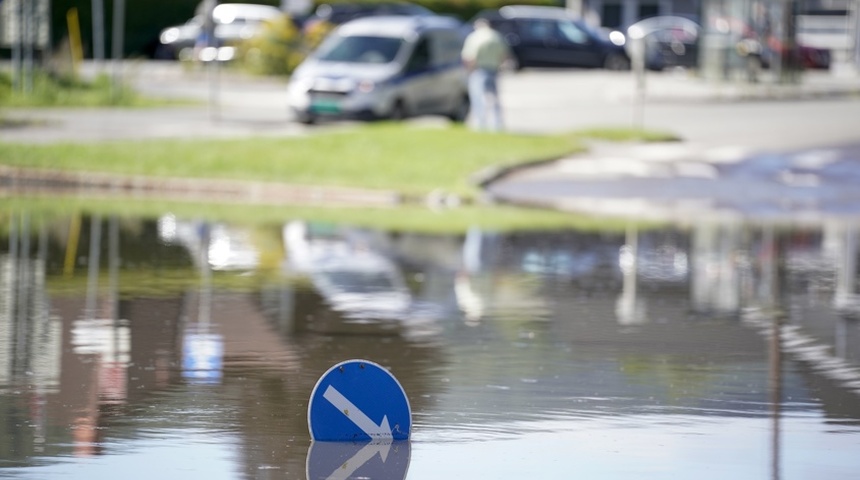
x=118, y=40
x=98, y=32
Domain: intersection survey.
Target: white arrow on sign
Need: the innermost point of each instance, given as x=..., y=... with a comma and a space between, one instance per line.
x=360, y=458
x=362, y=421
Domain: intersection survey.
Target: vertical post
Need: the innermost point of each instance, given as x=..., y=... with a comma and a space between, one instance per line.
x=27, y=45
x=118, y=40
x=17, y=11
x=636, y=48
x=98, y=33
x=211, y=49
x=855, y=11
x=75, y=44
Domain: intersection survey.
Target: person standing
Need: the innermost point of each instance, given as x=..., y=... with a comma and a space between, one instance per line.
x=484, y=52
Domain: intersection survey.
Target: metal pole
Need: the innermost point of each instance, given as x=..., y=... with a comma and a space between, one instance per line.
x=856, y=57
x=29, y=35
x=98, y=32
x=17, y=11
x=118, y=38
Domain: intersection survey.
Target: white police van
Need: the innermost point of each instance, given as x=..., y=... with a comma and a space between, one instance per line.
x=384, y=67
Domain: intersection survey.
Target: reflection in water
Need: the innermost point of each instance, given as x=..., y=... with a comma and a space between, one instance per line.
x=198, y=345
x=382, y=460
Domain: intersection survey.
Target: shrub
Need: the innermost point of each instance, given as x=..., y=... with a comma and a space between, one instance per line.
x=276, y=50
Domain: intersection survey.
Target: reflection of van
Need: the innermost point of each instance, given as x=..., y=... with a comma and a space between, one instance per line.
x=384, y=67
x=347, y=270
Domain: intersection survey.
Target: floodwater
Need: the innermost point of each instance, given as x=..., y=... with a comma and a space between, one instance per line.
x=168, y=348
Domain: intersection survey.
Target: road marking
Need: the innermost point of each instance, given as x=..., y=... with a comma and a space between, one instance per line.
x=360, y=458
x=362, y=421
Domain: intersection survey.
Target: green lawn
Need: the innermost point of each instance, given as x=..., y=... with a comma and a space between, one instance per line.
x=413, y=160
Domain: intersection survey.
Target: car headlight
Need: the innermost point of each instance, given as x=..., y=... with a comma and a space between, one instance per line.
x=169, y=36
x=617, y=38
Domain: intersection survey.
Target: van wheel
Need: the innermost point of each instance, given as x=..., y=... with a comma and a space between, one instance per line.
x=306, y=118
x=398, y=111
x=461, y=111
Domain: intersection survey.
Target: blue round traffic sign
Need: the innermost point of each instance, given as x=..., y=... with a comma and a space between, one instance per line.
x=358, y=400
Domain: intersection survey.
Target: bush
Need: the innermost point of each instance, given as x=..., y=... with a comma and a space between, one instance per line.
x=277, y=50
x=55, y=90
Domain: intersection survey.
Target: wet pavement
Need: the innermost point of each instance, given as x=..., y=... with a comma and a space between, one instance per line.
x=664, y=182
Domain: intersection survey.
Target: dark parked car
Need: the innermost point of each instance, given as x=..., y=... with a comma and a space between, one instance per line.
x=554, y=37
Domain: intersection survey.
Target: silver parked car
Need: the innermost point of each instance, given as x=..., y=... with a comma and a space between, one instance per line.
x=384, y=67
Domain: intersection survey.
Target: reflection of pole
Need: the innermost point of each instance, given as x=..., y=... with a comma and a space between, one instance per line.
x=93, y=267
x=204, y=312
x=22, y=282
x=768, y=267
x=113, y=267
x=627, y=311
x=72, y=245
x=775, y=387
x=846, y=271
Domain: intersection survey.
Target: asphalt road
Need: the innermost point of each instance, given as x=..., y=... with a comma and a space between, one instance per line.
x=706, y=115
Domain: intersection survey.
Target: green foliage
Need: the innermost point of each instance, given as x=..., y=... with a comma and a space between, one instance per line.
x=277, y=50
x=54, y=90
x=621, y=134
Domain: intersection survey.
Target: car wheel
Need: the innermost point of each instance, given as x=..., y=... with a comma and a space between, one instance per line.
x=398, y=111
x=306, y=118
x=617, y=62
x=461, y=111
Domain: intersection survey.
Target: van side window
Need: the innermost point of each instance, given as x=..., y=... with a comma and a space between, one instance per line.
x=445, y=47
x=420, y=58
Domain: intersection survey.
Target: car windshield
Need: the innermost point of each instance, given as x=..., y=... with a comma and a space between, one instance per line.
x=360, y=49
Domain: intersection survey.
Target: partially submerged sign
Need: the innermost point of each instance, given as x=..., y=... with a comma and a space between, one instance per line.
x=358, y=400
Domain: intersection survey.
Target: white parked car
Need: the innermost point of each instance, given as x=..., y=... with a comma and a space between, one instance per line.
x=384, y=67
x=234, y=22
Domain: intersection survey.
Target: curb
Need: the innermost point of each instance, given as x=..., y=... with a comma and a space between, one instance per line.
x=17, y=181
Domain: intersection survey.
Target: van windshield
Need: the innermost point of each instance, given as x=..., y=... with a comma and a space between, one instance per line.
x=360, y=49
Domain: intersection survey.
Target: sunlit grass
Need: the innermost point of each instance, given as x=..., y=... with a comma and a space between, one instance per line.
x=405, y=158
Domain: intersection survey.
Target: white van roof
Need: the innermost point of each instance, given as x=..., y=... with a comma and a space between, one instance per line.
x=396, y=26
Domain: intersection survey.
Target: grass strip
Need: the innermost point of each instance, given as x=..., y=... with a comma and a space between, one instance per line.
x=410, y=159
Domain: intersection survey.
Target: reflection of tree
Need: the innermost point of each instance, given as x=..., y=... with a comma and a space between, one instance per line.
x=675, y=378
